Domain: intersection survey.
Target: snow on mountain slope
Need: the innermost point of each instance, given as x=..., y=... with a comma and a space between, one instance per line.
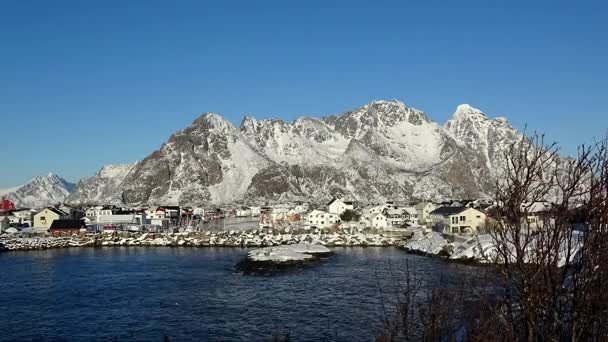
x=404, y=136
x=208, y=162
x=488, y=138
x=306, y=139
x=383, y=150
x=39, y=192
x=103, y=188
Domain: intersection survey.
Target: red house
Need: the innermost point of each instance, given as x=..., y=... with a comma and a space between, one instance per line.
x=6, y=205
x=67, y=226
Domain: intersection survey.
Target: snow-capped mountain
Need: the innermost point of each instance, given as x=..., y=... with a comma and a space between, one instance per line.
x=39, y=192
x=383, y=150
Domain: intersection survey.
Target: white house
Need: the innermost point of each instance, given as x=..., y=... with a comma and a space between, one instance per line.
x=243, y=212
x=395, y=217
x=411, y=215
x=255, y=211
x=338, y=206
x=163, y=223
x=378, y=220
x=134, y=218
x=322, y=219
x=13, y=220
x=198, y=211
x=26, y=216
x=538, y=213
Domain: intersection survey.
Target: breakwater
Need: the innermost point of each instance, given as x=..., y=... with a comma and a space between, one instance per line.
x=247, y=238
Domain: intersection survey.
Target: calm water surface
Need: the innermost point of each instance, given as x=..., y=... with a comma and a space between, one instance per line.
x=196, y=294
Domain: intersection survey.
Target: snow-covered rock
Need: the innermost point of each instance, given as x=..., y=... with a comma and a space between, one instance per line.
x=479, y=248
x=270, y=259
x=432, y=243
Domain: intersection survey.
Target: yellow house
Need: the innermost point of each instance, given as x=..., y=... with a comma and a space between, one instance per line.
x=458, y=220
x=45, y=218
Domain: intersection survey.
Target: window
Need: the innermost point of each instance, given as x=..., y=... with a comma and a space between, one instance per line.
x=463, y=218
x=42, y=218
x=478, y=216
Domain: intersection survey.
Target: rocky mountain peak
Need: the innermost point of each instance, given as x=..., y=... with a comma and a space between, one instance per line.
x=210, y=121
x=382, y=150
x=466, y=111
x=40, y=191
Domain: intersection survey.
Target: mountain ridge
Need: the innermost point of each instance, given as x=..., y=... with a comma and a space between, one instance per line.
x=382, y=150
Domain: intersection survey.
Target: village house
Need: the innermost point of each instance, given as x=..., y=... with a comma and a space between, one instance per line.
x=94, y=212
x=46, y=216
x=243, y=212
x=14, y=220
x=168, y=212
x=6, y=206
x=395, y=217
x=538, y=214
x=301, y=208
x=67, y=226
x=378, y=220
x=322, y=219
x=123, y=217
x=410, y=214
x=255, y=211
x=198, y=211
x=424, y=212
x=338, y=206
x=25, y=216
x=457, y=220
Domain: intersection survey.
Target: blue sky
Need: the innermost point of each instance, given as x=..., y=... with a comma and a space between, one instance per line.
x=88, y=83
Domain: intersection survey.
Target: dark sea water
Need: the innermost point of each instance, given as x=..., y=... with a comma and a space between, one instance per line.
x=147, y=294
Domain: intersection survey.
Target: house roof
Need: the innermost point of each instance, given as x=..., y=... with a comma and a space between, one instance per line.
x=57, y=211
x=411, y=210
x=537, y=207
x=68, y=224
x=394, y=211
x=447, y=211
x=336, y=199
x=376, y=215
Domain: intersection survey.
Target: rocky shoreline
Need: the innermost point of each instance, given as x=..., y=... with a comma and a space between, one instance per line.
x=247, y=238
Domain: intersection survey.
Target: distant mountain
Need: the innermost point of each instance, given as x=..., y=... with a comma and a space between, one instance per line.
x=39, y=192
x=383, y=150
